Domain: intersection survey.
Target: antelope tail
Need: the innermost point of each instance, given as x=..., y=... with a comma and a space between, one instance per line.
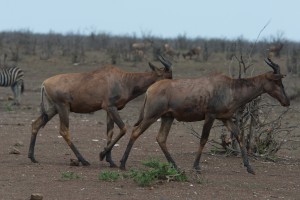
x=44, y=115
x=141, y=117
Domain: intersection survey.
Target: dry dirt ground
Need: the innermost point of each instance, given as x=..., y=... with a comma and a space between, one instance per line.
x=222, y=177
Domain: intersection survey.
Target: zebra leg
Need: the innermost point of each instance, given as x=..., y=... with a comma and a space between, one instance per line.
x=16, y=88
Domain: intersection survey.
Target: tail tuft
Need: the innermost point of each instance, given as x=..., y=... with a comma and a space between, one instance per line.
x=141, y=117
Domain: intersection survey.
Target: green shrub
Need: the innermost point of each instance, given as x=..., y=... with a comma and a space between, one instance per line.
x=69, y=176
x=8, y=108
x=157, y=171
x=109, y=176
x=145, y=177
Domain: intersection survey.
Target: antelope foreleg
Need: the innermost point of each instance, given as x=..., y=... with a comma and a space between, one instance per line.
x=136, y=132
x=114, y=115
x=235, y=131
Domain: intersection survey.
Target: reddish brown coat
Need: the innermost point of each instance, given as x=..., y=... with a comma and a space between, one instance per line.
x=205, y=98
x=108, y=88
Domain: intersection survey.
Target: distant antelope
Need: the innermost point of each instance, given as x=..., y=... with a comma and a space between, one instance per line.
x=108, y=88
x=141, y=45
x=12, y=76
x=275, y=50
x=139, y=48
x=192, y=52
x=170, y=51
x=205, y=98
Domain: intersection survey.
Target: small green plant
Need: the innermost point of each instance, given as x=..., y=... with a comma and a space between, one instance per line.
x=157, y=171
x=144, y=178
x=69, y=176
x=131, y=174
x=19, y=144
x=201, y=181
x=109, y=176
x=8, y=107
x=272, y=158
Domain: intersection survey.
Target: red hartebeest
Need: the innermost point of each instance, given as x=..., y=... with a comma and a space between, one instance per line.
x=139, y=48
x=206, y=98
x=108, y=88
x=168, y=49
x=141, y=45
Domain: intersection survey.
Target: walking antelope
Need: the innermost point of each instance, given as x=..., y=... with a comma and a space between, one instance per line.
x=141, y=45
x=139, y=48
x=205, y=98
x=170, y=51
x=108, y=88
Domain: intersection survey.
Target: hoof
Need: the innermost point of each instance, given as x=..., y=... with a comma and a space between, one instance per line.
x=113, y=165
x=74, y=162
x=250, y=170
x=85, y=163
x=33, y=160
x=122, y=168
x=197, y=169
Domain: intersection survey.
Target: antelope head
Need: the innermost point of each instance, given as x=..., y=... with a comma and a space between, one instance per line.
x=274, y=86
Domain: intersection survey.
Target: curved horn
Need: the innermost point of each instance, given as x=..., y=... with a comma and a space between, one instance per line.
x=274, y=66
x=165, y=62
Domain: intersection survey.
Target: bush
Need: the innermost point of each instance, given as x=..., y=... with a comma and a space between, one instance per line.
x=109, y=176
x=157, y=171
x=69, y=176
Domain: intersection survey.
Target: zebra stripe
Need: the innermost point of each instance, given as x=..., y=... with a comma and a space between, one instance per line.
x=9, y=76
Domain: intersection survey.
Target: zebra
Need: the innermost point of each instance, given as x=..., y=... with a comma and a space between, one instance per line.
x=13, y=76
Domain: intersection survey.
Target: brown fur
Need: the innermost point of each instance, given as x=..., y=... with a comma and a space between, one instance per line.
x=108, y=88
x=205, y=98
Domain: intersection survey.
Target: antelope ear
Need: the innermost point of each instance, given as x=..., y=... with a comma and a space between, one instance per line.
x=152, y=66
x=275, y=76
